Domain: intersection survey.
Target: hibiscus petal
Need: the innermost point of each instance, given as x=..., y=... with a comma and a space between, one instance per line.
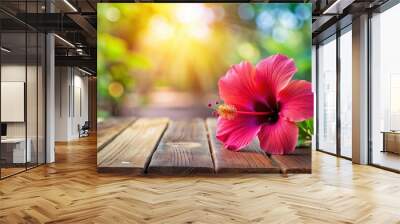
x=273, y=74
x=237, y=133
x=297, y=101
x=237, y=87
x=279, y=138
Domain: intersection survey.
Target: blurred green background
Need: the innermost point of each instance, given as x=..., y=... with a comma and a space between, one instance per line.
x=166, y=59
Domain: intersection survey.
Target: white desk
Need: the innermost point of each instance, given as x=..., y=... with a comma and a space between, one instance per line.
x=19, y=149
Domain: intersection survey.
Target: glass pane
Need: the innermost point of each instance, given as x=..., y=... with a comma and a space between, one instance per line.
x=346, y=94
x=385, y=86
x=23, y=89
x=327, y=97
x=313, y=81
x=31, y=98
x=32, y=87
x=41, y=99
x=13, y=87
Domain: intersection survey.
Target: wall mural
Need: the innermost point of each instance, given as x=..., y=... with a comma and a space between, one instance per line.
x=187, y=88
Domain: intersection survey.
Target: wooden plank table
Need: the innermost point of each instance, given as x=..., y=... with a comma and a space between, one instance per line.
x=183, y=150
x=248, y=160
x=297, y=162
x=186, y=147
x=132, y=149
x=108, y=129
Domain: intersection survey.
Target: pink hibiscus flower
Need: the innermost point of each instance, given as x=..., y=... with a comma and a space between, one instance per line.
x=263, y=101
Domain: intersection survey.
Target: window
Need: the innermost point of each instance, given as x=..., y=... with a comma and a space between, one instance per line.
x=385, y=89
x=346, y=93
x=327, y=96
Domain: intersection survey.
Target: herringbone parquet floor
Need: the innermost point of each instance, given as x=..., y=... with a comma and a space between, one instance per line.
x=71, y=191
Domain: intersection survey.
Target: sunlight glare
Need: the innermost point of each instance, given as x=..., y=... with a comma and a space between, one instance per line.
x=189, y=13
x=200, y=32
x=195, y=20
x=160, y=28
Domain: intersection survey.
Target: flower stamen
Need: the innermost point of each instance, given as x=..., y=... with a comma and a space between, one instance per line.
x=229, y=112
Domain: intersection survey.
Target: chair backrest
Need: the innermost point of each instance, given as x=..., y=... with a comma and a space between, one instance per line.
x=86, y=125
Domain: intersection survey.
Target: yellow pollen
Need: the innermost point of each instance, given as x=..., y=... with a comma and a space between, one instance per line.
x=227, y=111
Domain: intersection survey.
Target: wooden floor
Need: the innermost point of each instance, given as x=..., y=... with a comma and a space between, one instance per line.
x=10, y=171
x=386, y=159
x=71, y=191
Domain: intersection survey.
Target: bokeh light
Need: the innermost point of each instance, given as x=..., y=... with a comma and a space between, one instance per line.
x=149, y=51
x=246, y=11
x=160, y=29
x=248, y=52
x=113, y=14
x=289, y=20
x=265, y=21
x=192, y=13
x=116, y=89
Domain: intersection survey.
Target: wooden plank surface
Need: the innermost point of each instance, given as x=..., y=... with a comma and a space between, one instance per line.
x=183, y=150
x=132, y=149
x=297, y=162
x=248, y=160
x=107, y=130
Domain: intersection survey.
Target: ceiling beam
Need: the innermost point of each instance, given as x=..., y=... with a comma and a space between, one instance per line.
x=78, y=61
x=320, y=22
x=84, y=24
x=337, y=7
x=49, y=22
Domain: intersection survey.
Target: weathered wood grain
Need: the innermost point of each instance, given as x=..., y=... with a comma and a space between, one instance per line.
x=183, y=150
x=110, y=128
x=132, y=149
x=248, y=160
x=297, y=162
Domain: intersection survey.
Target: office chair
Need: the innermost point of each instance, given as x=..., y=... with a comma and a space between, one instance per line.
x=84, y=130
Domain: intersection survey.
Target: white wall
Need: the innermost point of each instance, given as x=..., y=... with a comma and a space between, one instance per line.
x=62, y=81
x=71, y=94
